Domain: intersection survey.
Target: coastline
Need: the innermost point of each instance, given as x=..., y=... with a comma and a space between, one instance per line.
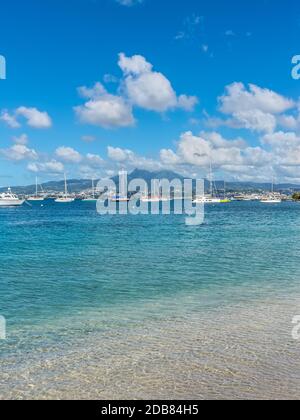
x=243, y=351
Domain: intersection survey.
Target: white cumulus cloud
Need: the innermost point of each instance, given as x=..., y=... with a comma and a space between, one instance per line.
x=255, y=108
x=34, y=117
x=129, y=3
x=103, y=109
x=9, y=119
x=149, y=89
x=49, y=167
x=68, y=154
x=19, y=152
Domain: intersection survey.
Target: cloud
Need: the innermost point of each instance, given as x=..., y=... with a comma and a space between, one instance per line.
x=19, y=152
x=200, y=151
x=187, y=103
x=125, y=157
x=92, y=166
x=285, y=147
x=230, y=32
x=256, y=120
x=34, y=117
x=217, y=141
x=279, y=155
x=119, y=155
x=148, y=89
x=135, y=65
x=88, y=139
x=140, y=87
x=50, y=167
x=110, y=78
x=68, y=154
x=9, y=119
x=240, y=99
x=94, y=160
x=281, y=139
x=169, y=157
x=22, y=139
x=190, y=28
x=103, y=109
x=253, y=108
x=288, y=122
x=96, y=91
x=151, y=91
x=84, y=165
x=129, y=3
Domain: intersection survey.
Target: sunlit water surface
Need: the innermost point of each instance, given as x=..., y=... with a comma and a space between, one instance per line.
x=144, y=307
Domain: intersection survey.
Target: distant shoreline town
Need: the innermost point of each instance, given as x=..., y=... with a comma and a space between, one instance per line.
x=85, y=189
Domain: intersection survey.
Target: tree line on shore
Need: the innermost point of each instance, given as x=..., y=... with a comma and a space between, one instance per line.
x=296, y=196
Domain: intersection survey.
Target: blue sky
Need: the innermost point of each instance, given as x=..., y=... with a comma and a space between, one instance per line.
x=156, y=106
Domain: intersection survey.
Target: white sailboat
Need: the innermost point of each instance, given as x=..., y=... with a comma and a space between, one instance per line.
x=272, y=198
x=225, y=200
x=65, y=198
x=36, y=197
x=9, y=199
x=118, y=199
x=208, y=199
x=91, y=198
x=154, y=199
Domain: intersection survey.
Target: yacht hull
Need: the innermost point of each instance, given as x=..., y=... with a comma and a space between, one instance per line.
x=271, y=201
x=64, y=200
x=11, y=203
x=207, y=201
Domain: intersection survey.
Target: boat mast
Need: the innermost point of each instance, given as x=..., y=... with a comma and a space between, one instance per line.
x=66, y=187
x=93, y=188
x=211, y=180
x=36, y=187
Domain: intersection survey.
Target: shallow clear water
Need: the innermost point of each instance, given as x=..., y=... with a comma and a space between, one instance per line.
x=146, y=307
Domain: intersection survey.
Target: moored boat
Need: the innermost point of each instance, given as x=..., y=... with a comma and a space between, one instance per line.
x=9, y=199
x=36, y=197
x=65, y=198
x=271, y=200
x=210, y=198
x=91, y=198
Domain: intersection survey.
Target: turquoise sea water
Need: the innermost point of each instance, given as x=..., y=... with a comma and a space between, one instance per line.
x=146, y=307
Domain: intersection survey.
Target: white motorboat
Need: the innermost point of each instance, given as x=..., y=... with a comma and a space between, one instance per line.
x=9, y=199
